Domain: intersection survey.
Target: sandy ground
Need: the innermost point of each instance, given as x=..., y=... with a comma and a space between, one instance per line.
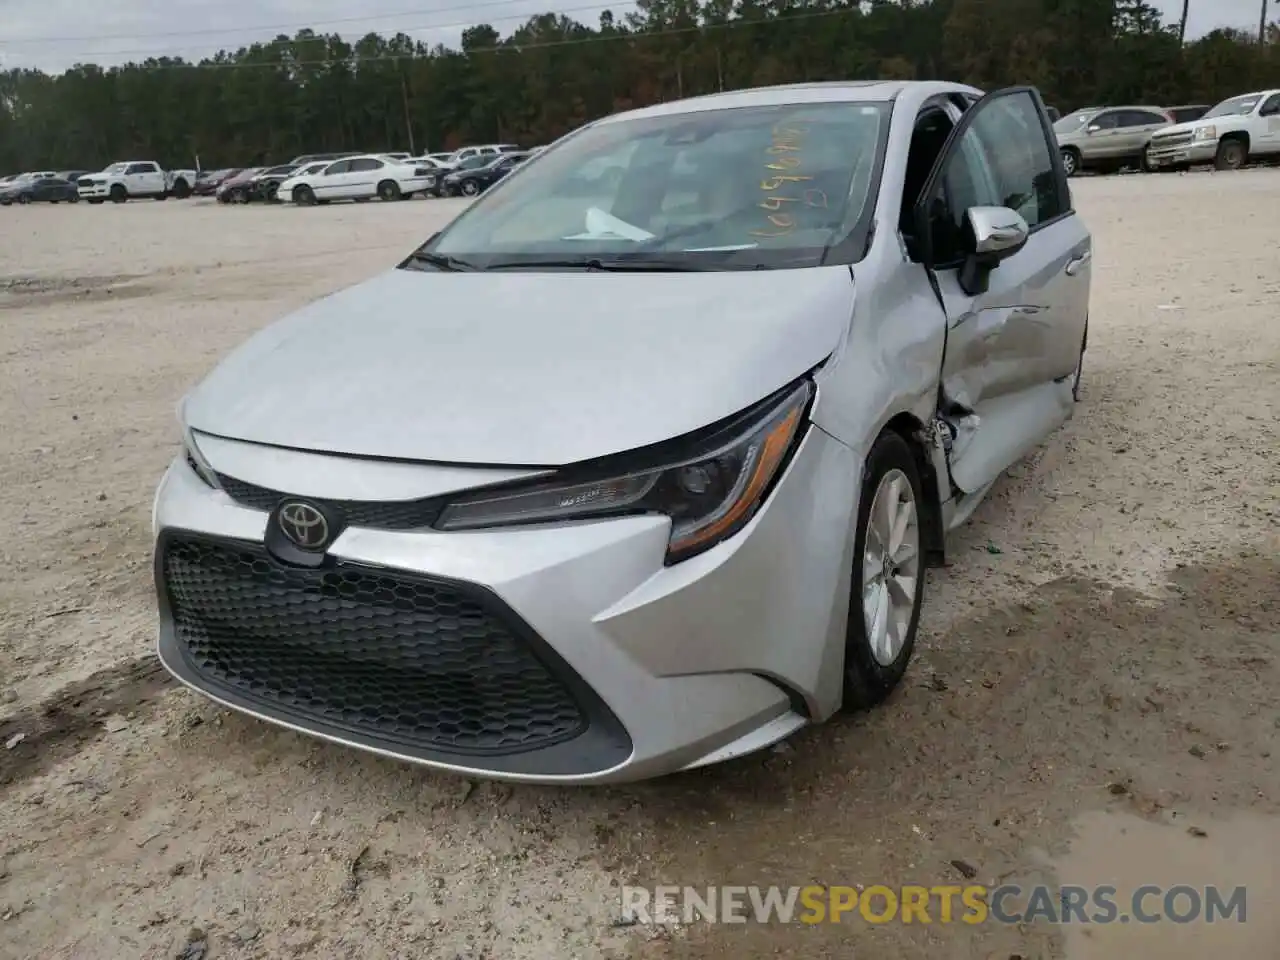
x=1095, y=695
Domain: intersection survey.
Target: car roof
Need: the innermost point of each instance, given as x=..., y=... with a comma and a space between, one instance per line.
x=831, y=91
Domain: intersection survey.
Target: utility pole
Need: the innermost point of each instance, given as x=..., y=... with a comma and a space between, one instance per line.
x=1262, y=24
x=1182, y=24
x=408, y=123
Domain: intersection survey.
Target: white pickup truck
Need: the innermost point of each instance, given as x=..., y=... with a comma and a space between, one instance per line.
x=135, y=179
x=1230, y=135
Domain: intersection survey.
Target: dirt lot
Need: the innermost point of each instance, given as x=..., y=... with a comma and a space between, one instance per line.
x=1095, y=697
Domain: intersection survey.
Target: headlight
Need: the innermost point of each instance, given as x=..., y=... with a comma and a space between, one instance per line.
x=191, y=452
x=1206, y=133
x=709, y=492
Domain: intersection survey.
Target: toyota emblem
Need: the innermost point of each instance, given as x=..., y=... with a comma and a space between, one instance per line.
x=304, y=525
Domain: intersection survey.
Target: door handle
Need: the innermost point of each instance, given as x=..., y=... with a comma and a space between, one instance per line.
x=1073, y=267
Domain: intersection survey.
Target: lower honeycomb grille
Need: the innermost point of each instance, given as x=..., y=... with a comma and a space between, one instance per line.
x=396, y=658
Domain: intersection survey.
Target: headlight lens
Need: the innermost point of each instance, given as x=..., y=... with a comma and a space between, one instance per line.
x=1206, y=133
x=196, y=461
x=709, y=494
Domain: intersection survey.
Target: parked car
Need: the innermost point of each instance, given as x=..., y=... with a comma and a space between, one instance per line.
x=238, y=188
x=313, y=157
x=661, y=490
x=485, y=150
x=208, y=181
x=1186, y=114
x=264, y=185
x=48, y=189
x=72, y=175
x=474, y=181
x=1229, y=136
x=133, y=180
x=357, y=178
x=1109, y=138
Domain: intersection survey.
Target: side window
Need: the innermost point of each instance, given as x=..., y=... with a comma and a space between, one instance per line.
x=364, y=165
x=1002, y=160
x=139, y=168
x=1272, y=107
x=342, y=166
x=1147, y=118
x=1105, y=121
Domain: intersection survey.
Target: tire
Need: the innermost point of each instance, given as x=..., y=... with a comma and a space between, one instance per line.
x=470, y=188
x=119, y=194
x=873, y=663
x=303, y=195
x=1232, y=155
x=181, y=189
x=388, y=190
x=74, y=198
x=239, y=195
x=1071, y=161
x=24, y=199
x=6, y=202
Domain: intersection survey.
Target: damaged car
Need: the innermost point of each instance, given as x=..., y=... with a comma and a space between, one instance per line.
x=638, y=465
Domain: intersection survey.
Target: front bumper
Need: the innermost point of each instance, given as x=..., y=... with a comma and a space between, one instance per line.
x=94, y=191
x=560, y=654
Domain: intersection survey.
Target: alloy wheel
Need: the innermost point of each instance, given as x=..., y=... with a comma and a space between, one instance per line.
x=890, y=566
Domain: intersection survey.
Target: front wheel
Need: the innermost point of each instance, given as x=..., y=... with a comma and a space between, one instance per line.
x=1071, y=161
x=887, y=582
x=470, y=188
x=304, y=195
x=181, y=189
x=1232, y=155
x=388, y=190
x=119, y=194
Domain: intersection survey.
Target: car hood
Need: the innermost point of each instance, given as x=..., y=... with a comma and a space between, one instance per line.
x=530, y=369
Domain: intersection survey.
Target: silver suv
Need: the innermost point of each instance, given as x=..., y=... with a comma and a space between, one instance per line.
x=1108, y=138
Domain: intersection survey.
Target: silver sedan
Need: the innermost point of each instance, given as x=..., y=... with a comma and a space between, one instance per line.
x=637, y=466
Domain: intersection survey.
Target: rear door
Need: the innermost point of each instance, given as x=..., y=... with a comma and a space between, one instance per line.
x=1138, y=126
x=362, y=181
x=1008, y=349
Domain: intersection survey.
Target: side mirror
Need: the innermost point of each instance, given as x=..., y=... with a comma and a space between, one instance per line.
x=1093, y=128
x=993, y=234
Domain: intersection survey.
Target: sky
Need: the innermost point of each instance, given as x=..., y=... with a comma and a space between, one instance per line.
x=54, y=34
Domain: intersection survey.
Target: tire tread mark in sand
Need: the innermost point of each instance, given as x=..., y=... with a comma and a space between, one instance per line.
x=62, y=725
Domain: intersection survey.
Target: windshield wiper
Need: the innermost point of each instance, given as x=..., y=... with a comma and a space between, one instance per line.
x=440, y=260
x=610, y=265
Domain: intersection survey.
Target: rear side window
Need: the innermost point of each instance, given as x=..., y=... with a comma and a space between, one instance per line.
x=141, y=168
x=365, y=164
x=1140, y=118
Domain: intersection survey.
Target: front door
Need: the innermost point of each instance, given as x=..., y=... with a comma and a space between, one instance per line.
x=330, y=184
x=1269, y=134
x=1009, y=348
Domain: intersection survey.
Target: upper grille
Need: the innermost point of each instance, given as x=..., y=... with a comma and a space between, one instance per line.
x=1171, y=139
x=378, y=514
x=364, y=650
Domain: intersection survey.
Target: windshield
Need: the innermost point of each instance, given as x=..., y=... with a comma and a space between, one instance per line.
x=116, y=168
x=772, y=185
x=1236, y=106
x=1073, y=121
